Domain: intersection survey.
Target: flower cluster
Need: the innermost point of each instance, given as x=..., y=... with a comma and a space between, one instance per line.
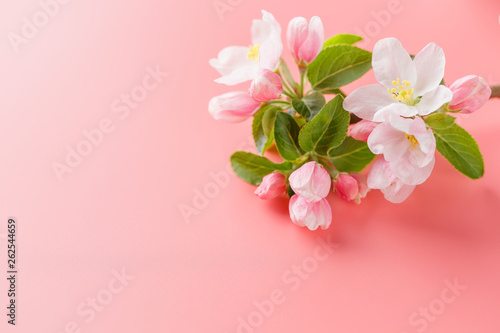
x=394, y=126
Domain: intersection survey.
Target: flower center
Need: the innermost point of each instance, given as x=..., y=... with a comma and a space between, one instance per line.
x=253, y=52
x=402, y=91
x=413, y=140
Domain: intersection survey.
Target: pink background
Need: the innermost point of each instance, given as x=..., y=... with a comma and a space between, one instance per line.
x=120, y=207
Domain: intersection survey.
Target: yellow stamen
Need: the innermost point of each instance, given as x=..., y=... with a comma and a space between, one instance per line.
x=402, y=92
x=253, y=52
x=414, y=142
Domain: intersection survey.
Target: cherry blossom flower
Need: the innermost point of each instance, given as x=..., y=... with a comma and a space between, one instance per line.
x=407, y=87
x=382, y=178
x=407, y=145
x=238, y=64
x=310, y=214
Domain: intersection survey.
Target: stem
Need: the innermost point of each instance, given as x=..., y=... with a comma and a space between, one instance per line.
x=303, y=70
x=495, y=92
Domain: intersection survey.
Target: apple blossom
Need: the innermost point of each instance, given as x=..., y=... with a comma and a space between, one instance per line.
x=407, y=87
x=311, y=181
x=272, y=186
x=305, y=40
x=266, y=86
x=238, y=64
x=233, y=106
x=310, y=214
x=382, y=178
x=408, y=145
x=469, y=94
x=351, y=187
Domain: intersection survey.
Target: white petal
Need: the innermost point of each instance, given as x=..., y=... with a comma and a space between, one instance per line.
x=270, y=52
x=398, y=108
x=433, y=100
x=230, y=58
x=398, y=192
x=368, y=100
x=377, y=178
x=410, y=173
x=262, y=29
x=429, y=63
x=240, y=75
x=390, y=61
x=389, y=141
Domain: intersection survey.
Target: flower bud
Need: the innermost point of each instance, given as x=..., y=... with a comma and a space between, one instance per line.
x=362, y=130
x=310, y=214
x=351, y=187
x=272, y=186
x=266, y=86
x=469, y=94
x=233, y=107
x=305, y=40
x=311, y=181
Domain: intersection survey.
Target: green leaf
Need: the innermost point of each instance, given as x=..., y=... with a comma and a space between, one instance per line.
x=288, y=76
x=286, y=133
x=351, y=156
x=258, y=131
x=327, y=130
x=337, y=66
x=263, y=135
x=310, y=105
x=342, y=39
x=334, y=91
x=252, y=168
x=461, y=150
x=439, y=121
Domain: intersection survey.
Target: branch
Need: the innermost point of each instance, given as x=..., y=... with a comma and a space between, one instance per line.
x=495, y=91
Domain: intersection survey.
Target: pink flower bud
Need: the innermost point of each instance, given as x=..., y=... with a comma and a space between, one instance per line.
x=233, y=107
x=362, y=130
x=469, y=94
x=272, y=186
x=351, y=187
x=310, y=214
x=305, y=40
x=311, y=181
x=266, y=86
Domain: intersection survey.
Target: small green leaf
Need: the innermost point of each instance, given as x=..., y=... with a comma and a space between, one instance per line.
x=327, y=130
x=252, y=168
x=262, y=128
x=334, y=91
x=342, y=39
x=461, y=150
x=288, y=76
x=258, y=131
x=286, y=133
x=351, y=156
x=439, y=121
x=310, y=105
x=338, y=65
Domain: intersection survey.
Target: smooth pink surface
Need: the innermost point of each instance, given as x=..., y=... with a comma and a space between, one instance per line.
x=120, y=208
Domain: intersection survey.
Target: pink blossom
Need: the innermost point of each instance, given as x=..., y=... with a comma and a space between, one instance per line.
x=266, y=86
x=305, y=40
x=272, y=186
x=310, y=214
x=407, y=145
x=311, y=181
x=382, y=178
x=233, y=107
x=362, y=130
x=351, y=187
x=469, y=94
